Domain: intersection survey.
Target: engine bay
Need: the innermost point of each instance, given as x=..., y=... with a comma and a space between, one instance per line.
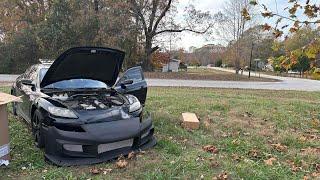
x=89, y=100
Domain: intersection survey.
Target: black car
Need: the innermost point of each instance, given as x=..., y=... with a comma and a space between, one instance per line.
x=78, y=109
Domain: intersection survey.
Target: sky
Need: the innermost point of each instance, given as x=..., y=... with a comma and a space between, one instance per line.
x=187, y=39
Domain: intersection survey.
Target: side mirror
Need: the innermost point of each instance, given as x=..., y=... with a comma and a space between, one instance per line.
x=28, y=82
x=126, y=82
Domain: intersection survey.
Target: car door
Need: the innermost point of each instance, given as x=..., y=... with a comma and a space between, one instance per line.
x=26, y=92
x=138, y=87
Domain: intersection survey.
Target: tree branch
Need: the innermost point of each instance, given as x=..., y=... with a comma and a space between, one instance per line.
x=154, y=49
x=163, y=13
x=137, y=10
x=181, y=30
x=155, y=4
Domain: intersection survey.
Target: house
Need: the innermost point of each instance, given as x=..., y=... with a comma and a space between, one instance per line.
x=171, y=66
x=259, y=64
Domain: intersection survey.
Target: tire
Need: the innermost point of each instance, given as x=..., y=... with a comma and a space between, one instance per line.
x=14, y=109
x=14, y=105
x=36, y=125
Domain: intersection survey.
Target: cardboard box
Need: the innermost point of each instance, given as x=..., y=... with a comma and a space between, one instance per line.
x=4, y=127
x=190, y=121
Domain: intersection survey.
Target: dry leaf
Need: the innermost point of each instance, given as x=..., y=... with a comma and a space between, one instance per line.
x=317, y=167
x=214, y=164
x=279, y=147
x=211, y=149
x=131, y=155
x=95, y=171
x=106, y=171
x=310, y=150
x=315, y=174
x=222, y=176
x=269, y=162
x=235, y=157
x=247, y=114
x=295, y=168
x=253, y=153
x=122, y=163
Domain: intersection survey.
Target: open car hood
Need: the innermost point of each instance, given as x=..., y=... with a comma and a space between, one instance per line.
x=96, y=63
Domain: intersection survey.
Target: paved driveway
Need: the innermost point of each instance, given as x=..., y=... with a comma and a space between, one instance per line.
x=285, y=83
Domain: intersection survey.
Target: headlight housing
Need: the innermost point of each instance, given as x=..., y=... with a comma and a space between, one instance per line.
x=62, y=112
x=134, y=104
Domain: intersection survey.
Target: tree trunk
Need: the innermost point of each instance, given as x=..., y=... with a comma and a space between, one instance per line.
x=148, y=51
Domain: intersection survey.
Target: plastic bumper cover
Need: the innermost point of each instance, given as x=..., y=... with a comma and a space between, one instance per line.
x=99, y=142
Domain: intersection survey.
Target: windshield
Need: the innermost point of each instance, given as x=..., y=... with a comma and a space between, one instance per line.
x=73, y=83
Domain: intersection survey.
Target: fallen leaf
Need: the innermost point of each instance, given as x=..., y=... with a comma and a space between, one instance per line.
x=317, y=167
x=211, y=149
x=247, y=114
x=269, y=162
x=295, y=168
x=122, y=163
x=214, y=164
x=279, y=147
x=315, y=174
x=199, y=158
x=310, y=150
x=253, y=153
x=222, y=176
x=142, y=152
x=95, y=171
x=131, y=155
x=106, y=171
x=235, y=142
x=235, y=157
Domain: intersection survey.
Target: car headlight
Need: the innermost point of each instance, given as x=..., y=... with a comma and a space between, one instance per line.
x=61, y=112
x=134, y=103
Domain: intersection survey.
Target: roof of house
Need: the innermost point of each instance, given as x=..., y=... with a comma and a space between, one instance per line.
x=175, y=60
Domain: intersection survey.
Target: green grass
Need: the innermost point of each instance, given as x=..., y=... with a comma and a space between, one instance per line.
x=235, y=121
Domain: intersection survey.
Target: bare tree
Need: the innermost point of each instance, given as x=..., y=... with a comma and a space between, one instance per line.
x=152, y=17
x=234, y=25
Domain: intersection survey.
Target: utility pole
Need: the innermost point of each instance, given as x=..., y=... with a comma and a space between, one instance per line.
x=250, y=60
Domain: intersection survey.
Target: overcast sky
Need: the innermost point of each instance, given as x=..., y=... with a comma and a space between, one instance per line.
x=188, y=39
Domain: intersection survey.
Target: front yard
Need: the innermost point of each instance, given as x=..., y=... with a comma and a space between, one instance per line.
x=204, y=74
x=254, y=135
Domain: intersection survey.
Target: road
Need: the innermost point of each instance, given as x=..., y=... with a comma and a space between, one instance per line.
x=285, y=83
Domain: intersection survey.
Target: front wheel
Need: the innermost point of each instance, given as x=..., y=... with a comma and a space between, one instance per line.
x=14, y=105
x=36, y=129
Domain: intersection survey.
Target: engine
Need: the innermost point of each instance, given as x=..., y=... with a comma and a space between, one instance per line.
x=90, y=101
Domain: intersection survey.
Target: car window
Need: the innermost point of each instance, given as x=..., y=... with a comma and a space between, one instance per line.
x=133, y=74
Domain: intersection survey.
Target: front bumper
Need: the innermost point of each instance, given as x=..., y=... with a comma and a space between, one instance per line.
x=98, y=142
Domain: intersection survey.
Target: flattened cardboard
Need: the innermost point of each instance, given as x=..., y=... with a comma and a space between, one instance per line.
x=7, y=98
x=4, y=126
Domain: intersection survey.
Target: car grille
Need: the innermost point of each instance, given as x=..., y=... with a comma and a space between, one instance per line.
x=115, y=145
x=101, y=148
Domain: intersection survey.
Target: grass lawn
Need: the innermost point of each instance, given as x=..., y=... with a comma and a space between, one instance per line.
x=258, y=134
x=204, y=74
